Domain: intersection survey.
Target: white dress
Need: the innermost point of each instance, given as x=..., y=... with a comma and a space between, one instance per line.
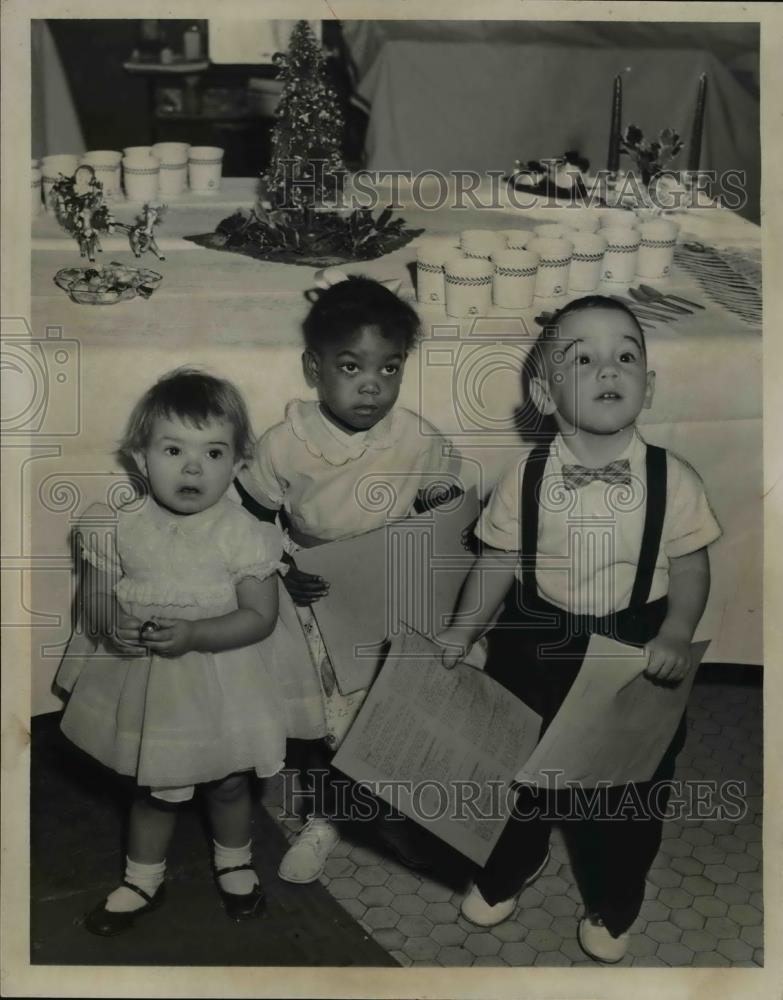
x=334, y=485
x=172, y=723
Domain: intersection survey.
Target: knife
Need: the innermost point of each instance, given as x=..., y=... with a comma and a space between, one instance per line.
x=655, y=294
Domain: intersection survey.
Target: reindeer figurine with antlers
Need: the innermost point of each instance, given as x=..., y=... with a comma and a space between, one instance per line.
x=142, y=236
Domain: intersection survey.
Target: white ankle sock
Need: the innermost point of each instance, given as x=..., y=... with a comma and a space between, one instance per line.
x=239, y=883
x=146, y=877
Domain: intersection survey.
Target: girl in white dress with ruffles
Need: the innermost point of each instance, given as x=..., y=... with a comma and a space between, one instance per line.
x=309, y=469
x=172, y=685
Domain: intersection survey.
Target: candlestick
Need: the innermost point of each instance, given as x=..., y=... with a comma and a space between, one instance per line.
x=613, y=155
x=694, y=151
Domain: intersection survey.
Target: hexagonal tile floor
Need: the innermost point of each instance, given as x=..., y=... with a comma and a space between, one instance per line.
x=703, y=903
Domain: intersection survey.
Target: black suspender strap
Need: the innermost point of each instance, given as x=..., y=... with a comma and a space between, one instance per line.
x=532, y=478
x=653, y=525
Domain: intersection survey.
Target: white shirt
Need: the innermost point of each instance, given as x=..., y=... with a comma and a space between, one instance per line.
x=589, y=539
x=333, y=484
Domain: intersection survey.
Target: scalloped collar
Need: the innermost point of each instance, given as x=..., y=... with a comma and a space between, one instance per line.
x=325, y=440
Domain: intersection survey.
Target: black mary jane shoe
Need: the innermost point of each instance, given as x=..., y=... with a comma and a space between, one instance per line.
x=245, y=905
x=108, y=923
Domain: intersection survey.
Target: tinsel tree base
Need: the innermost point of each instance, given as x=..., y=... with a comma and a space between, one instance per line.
x=308, y=237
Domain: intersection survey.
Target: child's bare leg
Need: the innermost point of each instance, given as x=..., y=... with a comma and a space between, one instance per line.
x=230, y=810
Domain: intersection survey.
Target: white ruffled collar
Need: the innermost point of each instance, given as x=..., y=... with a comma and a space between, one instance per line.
x=325, y=440
x=169, y=521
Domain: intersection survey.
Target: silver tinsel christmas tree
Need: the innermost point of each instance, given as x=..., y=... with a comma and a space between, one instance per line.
x=307, y=163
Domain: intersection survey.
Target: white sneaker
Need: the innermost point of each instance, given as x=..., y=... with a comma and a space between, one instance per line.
x=306, y=859
x=596, y=941
x=478, y=911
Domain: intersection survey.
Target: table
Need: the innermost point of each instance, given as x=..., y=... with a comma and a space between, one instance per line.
x=241, y=317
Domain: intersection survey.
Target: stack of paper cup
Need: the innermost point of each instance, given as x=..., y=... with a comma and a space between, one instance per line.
x=517, y=239
x=468, y=286
x=482, y=242
x=173, y=158
x=51, y=169
x=205, y=165
x=584, y=273
x=431, y=254
x=36, y=203
x=656, y=249
x=141, y=173
x=106, y=164
x=584, y=223
x=553, y=231
x=514, y=280
x=622, y=251
x=554, y=261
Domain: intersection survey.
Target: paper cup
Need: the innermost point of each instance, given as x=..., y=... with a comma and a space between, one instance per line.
x=482, y=242
x=514, y=280
x=468, y=286
x=615, y=218
x=552, y=231
x=431, y=254
x=205, y=165
x=141, y=178
x=135, y=153
x=173, y=157
x=554, y=261
x=52, y=167
x=517, y=239
x=106, y=164
x=622, y=251
x=36, y=203
x=584, y=274
x=587, y=223
x=656, y=249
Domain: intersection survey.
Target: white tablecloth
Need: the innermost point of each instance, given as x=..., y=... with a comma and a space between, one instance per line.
x=241, y=318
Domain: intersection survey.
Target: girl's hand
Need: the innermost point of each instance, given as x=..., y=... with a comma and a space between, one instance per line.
x=454, y=648
x=668, y=659
x=125, y=636
x=303, y=587
x=173, y=638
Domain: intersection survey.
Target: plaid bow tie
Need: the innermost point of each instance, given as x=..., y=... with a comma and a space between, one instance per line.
x=575, y=476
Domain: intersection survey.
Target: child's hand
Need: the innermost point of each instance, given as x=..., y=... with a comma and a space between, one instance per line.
x=303, y=587
x=668, y=659
x=174, y=637
x=125, y=637
x=453, y=647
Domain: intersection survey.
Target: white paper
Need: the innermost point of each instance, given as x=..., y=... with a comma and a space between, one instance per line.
x=411, y=570
x=442, y=745
x=615, y=724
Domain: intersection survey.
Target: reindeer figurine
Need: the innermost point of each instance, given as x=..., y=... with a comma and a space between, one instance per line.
x=141, y=236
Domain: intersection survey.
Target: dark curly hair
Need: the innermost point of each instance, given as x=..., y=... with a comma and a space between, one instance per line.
x=345, y=308
x=195, y=397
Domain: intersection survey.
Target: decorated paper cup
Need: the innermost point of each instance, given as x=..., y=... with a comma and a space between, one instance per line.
x=135, y=153
x=517, y=239
x=656, y=249
x=51, y=169
x=614, y=218
x=514, y=280
x=586, y=223
x=106, y=164
x=141, y=178
x=622, y=251
x=468, y=286
x=205, y=165
x=482, y=242
x=554, y=261
x=584, y=274
x=431, y=254
x=552, y=231
x=36, y=203
x=173, y=157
